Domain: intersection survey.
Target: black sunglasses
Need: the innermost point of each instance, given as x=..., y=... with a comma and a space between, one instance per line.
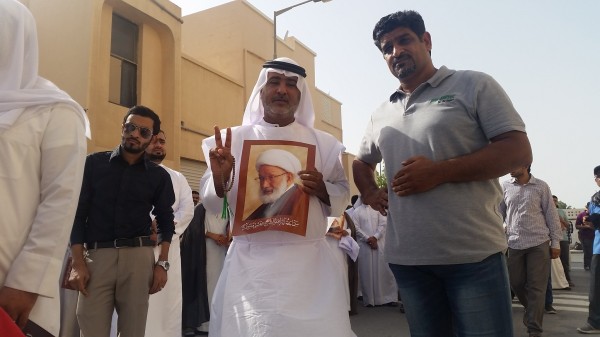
x=144, y=132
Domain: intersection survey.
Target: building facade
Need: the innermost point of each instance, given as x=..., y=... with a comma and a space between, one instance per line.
x=195, y=72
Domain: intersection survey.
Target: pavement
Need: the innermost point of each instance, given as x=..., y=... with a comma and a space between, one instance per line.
x=571, y=306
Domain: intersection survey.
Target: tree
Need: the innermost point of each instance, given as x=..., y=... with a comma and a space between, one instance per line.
x=380, y=178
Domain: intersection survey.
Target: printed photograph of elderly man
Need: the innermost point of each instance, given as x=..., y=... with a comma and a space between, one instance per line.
x=271, y=191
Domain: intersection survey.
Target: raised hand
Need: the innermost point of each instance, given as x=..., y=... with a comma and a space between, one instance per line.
x=221, y=160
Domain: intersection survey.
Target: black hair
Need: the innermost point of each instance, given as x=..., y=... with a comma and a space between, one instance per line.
x=195, y=192
x=407, y=19
x=143, y=111
x=597, y=171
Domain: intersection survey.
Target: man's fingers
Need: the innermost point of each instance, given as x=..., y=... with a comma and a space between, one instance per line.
x=228, y=138
x=22, y=320
x=218, y=141
x=154, y=288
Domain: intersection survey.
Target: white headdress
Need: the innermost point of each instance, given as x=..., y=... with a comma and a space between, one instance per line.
x=304, y=115
x=279, y=158
x=20, y=85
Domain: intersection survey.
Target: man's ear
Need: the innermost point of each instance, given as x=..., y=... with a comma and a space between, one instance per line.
x=290, y=178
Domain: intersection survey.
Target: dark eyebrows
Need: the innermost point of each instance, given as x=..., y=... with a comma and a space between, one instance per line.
x=291, y=80
x=396, y=38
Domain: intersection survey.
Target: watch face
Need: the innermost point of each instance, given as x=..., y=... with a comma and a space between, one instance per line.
x=164, y=264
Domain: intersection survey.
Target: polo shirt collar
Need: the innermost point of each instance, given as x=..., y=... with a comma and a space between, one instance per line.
x=441, y=74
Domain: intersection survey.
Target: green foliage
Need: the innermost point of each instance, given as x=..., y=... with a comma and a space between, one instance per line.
x=380, y=179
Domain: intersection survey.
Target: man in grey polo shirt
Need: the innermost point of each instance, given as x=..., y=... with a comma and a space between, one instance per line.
x=445, y=136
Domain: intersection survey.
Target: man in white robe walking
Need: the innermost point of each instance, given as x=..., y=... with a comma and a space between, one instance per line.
x=377, y=283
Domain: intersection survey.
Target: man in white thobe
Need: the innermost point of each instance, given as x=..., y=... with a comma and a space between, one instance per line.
x=217, y=242
x=377, y=283
x=164, y=311
x=272, y=283
x=42, y=155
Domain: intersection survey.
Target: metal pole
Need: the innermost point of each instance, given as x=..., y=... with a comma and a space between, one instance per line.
x=281, y=11
x=274, y=35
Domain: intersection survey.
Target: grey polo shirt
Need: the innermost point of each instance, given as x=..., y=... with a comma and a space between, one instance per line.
x=454, y=113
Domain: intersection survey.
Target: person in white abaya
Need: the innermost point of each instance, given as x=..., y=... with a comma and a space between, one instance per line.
x=276, y=283
x=42, y=154
x=377, y=283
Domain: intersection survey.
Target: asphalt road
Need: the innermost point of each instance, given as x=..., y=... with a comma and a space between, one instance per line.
x=572, y=307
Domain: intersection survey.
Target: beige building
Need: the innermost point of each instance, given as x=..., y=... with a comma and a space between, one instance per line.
x=195, y=72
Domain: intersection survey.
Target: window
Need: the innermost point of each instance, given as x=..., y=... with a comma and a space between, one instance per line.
x=123, y=62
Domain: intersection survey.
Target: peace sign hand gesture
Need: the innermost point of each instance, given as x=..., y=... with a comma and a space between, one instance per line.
x=221, y=161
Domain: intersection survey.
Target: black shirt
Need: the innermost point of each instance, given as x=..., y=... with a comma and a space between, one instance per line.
x=116, y=199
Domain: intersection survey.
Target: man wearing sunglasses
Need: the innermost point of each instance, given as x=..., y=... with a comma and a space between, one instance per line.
x=113, y=258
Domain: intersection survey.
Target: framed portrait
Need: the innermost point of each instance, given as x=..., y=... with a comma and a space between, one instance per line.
x=269, y=194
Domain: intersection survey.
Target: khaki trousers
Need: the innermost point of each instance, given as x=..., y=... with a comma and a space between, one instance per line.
x=119, y=279
x=529, y=270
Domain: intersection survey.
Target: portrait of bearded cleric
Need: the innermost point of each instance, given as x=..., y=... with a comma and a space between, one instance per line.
x=271, y=197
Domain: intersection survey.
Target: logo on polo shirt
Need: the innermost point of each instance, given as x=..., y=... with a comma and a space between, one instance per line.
x=443, y=99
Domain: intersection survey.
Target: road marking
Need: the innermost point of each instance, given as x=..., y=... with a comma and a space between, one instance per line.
x=566, y=302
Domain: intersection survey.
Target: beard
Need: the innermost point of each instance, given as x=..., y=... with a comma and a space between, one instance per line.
x=280, y=112
x=274, y=195
x=129, y=145
x=156, y=157
x=404, y=67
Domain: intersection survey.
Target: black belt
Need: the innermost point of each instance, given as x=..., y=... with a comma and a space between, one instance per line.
x=140, y=241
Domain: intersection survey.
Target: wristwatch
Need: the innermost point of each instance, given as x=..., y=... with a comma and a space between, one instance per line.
x=164, y=264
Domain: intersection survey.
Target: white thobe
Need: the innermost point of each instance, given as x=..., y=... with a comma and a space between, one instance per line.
x=164, y=310
x=42, y=156
x=377, y=282
x=276, y=283
x=215, y=255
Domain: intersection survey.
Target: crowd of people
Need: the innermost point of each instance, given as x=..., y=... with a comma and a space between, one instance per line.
x=267, y=246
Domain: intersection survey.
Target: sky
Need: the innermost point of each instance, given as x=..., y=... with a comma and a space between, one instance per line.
x=544, y=53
